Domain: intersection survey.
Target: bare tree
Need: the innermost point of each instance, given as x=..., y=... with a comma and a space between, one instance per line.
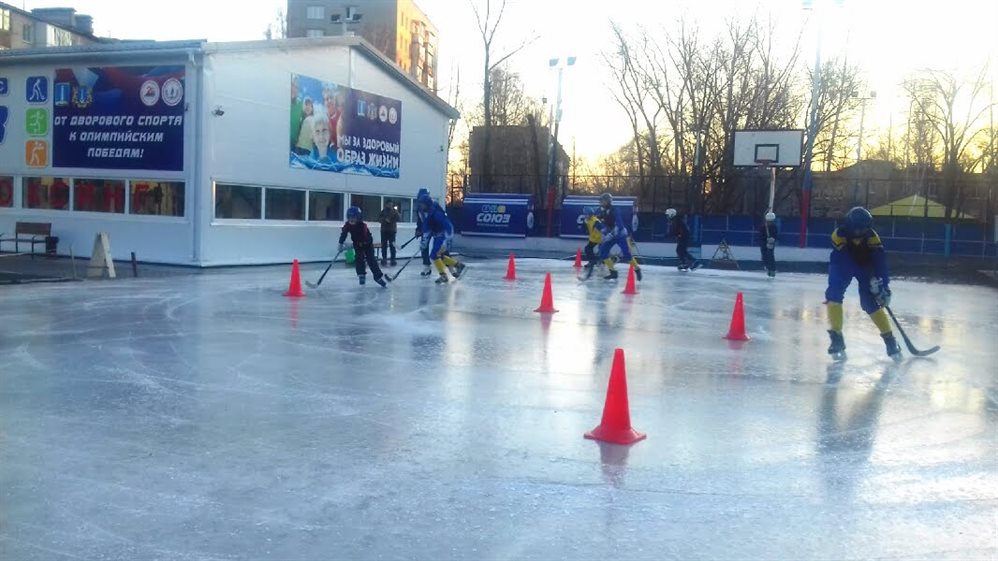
x=277, y=29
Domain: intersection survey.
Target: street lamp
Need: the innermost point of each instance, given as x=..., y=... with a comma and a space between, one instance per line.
x=553, y=145
x=352, y=16
x=859, y=145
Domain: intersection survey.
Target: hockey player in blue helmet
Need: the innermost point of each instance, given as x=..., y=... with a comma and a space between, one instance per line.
x=615, y=233
x=423, y=250
x=858, y=254
x=363, y=245
x=437, y=235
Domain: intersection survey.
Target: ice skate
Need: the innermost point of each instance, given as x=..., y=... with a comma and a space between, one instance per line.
x=394, y=263
x=362, y=279
x=382, y=280
x=612, y=275
x=772, y=274
x=384, y=263
x=837, y=348
x=442, y=279
x=637, y=273
x=426, y=271
x=458, y=270
x=892, y=347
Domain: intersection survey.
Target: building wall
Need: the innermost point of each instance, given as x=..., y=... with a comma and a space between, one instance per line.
x=25, y=32
x=248, y=145
x=166, y=239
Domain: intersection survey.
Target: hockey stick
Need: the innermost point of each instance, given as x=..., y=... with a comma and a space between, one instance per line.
x=330, y=266
x=907, y=341
x=408, y=242
x=406, y=264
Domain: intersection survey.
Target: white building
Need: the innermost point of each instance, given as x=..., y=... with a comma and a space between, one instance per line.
x=184, y=152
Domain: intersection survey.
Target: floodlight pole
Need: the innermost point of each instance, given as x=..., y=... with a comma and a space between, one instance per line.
x=553, y=152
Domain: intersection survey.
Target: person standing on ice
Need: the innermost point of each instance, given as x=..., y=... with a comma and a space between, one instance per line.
x=859, y=254
x=363, y=245
x=767, y=243
x=679, y=230
x=591, y=223
x=389, y=219
x=614, y=231
x=437, y=234
x=424, y=251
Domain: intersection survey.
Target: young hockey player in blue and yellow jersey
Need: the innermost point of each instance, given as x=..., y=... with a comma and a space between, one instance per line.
x=437, y=232
x=859, y=254
x=614, y=233
x=591, y=223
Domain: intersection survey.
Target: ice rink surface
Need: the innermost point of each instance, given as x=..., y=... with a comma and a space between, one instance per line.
x=209, y=417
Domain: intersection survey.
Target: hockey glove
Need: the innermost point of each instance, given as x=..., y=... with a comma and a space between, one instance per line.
x=881, y=292
x=770, y=243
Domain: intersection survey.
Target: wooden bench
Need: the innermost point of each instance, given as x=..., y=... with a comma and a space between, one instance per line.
x=32, y=233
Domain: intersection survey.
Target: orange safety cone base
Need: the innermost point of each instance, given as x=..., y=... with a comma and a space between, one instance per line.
x=294, y=287
x=631, y=287
x=616, y=436
x=737, y=337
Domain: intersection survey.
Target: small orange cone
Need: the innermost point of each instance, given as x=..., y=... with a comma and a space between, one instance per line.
x=547, y=300
x=631, y=287
x=511, y=268
x=578, y=258
x=294, y=288
x=737, y=330
x=615, y=426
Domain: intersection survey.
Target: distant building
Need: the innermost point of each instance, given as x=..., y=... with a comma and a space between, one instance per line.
x=44, y=27
x=397, y=28
x=519, y=160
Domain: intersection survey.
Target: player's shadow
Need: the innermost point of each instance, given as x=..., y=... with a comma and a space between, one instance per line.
x=847, y=429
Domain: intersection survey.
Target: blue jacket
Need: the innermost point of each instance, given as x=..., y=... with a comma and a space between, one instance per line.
x=435, y=223
x=613, y=223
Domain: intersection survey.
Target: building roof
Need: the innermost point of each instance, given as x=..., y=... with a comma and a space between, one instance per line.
x=915, y=206
x=60, y=54
x=28, y=14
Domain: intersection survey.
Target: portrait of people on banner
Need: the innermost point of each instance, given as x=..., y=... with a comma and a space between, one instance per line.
x=343, y=130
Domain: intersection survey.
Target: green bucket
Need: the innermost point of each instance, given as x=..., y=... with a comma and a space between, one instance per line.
x=349, y=256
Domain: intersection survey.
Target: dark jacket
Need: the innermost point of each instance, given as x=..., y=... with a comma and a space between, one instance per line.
x=360, y=235
x=679, y=230
x=389, y=219
x=767, y=230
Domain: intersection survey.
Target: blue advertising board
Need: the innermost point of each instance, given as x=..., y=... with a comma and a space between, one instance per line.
x=573, y=218
x=119, y=117
x=494, y=214
x=344, y=130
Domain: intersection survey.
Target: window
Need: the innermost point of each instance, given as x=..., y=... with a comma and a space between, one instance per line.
x=6, y=191
x=28, y=33
x=237, y=201
x=157, y=198
x=370, y=205
x=316, y=12
x=285, y=204
x=46, y=192
x=99, y=195
x=57, y=37
x=4, y=20
x=315, y=33
x=405, y=208
x=325, y=206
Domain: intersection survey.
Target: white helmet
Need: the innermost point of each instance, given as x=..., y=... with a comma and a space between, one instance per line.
x=670, y=212
x=770, y=217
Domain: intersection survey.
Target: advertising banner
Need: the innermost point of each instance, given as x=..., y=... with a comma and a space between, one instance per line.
x=343, y=130
x=499, y=215
x=119, y=117
x=573, y=218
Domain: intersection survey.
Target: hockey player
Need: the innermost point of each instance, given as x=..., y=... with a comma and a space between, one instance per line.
x=679, y=230
x=363, y=245
x=614, y=232
x=859, y=254
x=767, y=243
x=592, y=227
x=437, y=232
x=424, y=251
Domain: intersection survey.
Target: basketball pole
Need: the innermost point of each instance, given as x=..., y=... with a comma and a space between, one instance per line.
x=772, y=187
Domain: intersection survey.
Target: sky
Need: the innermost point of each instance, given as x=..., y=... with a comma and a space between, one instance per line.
x=889, y=39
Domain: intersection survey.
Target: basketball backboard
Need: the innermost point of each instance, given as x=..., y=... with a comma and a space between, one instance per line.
x=777, y=147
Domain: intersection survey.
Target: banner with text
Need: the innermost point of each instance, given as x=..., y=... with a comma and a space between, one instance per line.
x=119, y=117
x=494, y=214
x=343, y=130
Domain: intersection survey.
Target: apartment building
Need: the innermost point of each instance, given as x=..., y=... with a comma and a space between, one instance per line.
x=44, y=27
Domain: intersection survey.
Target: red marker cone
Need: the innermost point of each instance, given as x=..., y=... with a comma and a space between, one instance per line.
x=631, y=287
x=578, y=258
x=294, y=288
x=737, y=330
x=615, y=426
x=547, y=300
x=511, y=268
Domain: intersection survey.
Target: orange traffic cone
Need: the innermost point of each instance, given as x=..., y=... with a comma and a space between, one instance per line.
x=547, y=300
x=631, y=286
x=737, y=330
x=294, y=288
x=615, y=426
x=511, y=268
x=578, y=258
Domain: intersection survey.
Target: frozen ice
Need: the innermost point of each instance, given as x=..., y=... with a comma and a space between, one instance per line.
x=209, y=417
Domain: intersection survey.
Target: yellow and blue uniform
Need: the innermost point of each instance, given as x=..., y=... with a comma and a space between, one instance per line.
x=614, y=233
x=592, y=224
x=437, y=232
x=861, y=257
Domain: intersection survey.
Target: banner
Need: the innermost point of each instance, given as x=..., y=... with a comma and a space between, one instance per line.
x=119, y=117
x=573, y=218
x=343, y=130
x=487, y=214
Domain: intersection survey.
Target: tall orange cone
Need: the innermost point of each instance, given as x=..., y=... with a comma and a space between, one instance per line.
x=631, y=287
x=547, y=300
x=578, y=258
x=294, y=288
x=737, y=330
x=511, y=268
x=615, y=426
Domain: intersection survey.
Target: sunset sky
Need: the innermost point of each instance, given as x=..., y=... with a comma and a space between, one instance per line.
x=889, y=39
